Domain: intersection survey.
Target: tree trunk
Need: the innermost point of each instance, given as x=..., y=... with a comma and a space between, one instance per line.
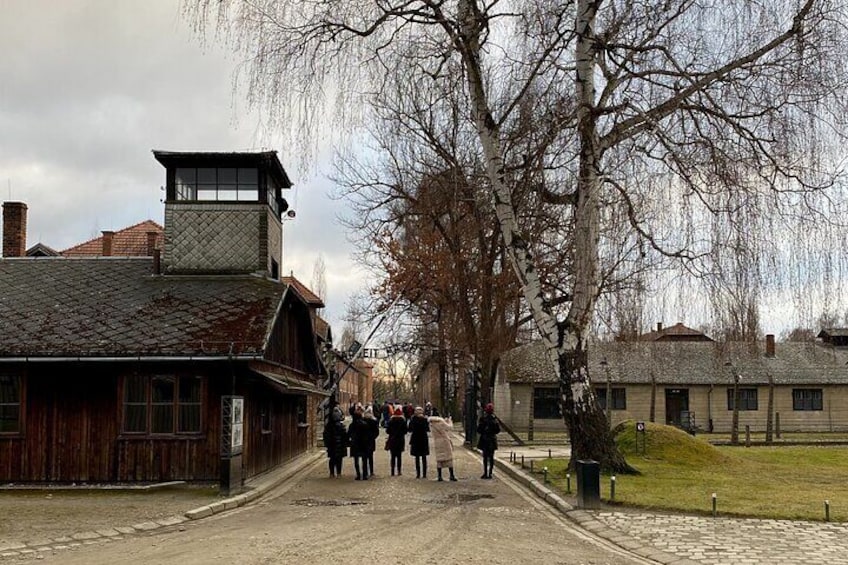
x=591, y=437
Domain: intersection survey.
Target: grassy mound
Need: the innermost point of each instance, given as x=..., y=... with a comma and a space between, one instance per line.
x=665, y=443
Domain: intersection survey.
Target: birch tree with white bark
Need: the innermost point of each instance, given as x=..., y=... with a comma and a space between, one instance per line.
x=707, y=107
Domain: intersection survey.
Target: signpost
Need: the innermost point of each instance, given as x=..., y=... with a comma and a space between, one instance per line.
x=640, y=434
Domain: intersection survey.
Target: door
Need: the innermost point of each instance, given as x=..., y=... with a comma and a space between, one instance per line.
x=676, y=403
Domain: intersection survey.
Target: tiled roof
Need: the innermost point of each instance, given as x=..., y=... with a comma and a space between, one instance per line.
x=41, y=250
x=128, y=242
x=310, y=297
x=833, y=332
x=322, y=329
x=116, y=307
x=689, y=363
x=677, y=332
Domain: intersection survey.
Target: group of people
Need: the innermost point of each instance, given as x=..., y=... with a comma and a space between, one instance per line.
x=360, y=436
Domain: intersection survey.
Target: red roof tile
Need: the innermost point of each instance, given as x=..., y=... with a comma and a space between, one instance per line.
x=128, y=242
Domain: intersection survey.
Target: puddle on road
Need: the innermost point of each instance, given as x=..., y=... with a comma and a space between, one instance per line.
x=459, y=498
x=317, y=502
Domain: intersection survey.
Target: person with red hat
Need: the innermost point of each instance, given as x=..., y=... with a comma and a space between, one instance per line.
x=396, y=443
x=488, y=429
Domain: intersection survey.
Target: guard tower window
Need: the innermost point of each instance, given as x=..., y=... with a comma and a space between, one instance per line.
x=217, y=184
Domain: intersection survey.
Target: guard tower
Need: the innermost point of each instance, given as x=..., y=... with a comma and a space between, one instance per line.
x=223, y=213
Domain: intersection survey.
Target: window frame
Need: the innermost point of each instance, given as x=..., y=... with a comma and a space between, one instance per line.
x=18, y=382
x=175, y=406
x=748, y=402
x=208, y=187
x=619, y=397
x=815, y=400
x=542, y=410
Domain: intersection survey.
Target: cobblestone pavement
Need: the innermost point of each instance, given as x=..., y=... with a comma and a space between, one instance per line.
x=687, y=540
x=731, y=540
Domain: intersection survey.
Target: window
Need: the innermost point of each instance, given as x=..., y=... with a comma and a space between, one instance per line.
x=806, y=399
x=546, y=403
x=10, y=404
x=135, y=404
x=619, y=398
x=225, y=184
x=162, y=404
x=747, y=399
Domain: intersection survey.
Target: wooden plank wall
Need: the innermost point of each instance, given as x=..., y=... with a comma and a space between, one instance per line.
x=72, y=429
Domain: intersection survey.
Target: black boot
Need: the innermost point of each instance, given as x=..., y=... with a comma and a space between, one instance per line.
x=439, y=473
x=452, y=476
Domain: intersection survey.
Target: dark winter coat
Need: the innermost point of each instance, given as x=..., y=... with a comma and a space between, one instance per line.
x=373, y=433
x=358, y=436
x=396, y=430
x=419, y=440
x=488, y=430
x=335, y=438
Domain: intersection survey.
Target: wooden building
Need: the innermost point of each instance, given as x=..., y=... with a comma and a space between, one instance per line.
x=689, y=383
x=124, y=368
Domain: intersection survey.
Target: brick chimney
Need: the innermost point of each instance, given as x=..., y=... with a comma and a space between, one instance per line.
x=769, y=345
x=659, y=327
x=108, y=238
x=14, y=229
x=151, y=242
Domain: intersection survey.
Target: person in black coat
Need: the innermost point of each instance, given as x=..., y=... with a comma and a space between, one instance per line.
x=359, y=437
x=419, y=441
x=396, y=443
x=374, y=429
x=487, y=431
x=335, y=441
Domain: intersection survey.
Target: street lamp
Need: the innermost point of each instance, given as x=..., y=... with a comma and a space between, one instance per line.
x=734, y=427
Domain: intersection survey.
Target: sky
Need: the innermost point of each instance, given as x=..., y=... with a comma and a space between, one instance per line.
x=89, y=88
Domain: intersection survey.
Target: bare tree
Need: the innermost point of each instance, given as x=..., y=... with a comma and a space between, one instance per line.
x=701, y=100
x=319, y=279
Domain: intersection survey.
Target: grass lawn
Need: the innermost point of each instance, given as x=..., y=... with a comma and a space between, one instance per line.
x=680, y=473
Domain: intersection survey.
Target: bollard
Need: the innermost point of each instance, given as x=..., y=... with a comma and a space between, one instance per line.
x=714, y=505
x=747, y=436
x=545, y=471
x=568, y=483
x=549, y=453
x=531, y=466
x=522, y=460
x=612, y=487
x=827, y=511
